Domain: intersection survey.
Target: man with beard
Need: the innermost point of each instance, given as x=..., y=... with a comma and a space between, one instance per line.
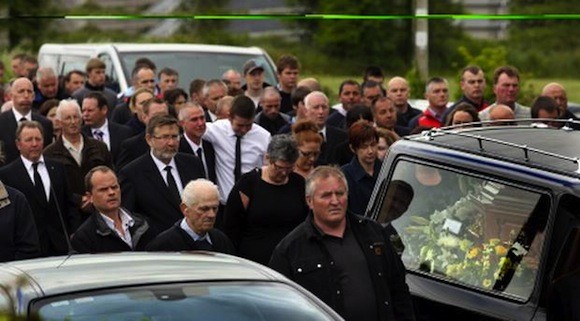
x=153, y=183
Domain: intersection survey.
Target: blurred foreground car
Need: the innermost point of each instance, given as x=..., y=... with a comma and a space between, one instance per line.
x=154, y=286
x=487, y=218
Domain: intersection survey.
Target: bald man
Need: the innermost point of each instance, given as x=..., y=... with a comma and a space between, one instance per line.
x=501, y=112
x=398, y=91
x=22, y=92
x=557, y=92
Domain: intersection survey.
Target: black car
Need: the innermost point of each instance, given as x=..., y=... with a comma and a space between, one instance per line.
x=153, y=286
x=485, y=218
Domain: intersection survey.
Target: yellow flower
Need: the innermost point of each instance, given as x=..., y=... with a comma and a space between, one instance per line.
x=500, y=250
x=486, y=283
x=472, y=253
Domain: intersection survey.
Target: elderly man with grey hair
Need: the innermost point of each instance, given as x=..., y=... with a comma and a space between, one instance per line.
x=270, y=118
x=199, y=205
x=77, y=152
x=46, y=87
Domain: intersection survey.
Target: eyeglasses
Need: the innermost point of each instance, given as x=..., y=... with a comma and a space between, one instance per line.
x=283, y=168
x=314, y=154
x=168, y=137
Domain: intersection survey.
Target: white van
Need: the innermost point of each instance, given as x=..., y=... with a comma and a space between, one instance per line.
x=190, y=60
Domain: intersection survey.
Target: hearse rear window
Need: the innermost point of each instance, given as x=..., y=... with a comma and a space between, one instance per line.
x=466, y=229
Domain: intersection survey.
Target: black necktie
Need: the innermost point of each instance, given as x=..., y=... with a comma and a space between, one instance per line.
x=202, y=245
x=238, y=168
x=38, y=185
x=200, y=155
x=171, y=183
x=23, y=119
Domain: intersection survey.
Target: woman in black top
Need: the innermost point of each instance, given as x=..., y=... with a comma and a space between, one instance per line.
x=266, y=203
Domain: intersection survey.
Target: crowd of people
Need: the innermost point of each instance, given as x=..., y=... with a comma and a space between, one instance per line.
x=274, y=174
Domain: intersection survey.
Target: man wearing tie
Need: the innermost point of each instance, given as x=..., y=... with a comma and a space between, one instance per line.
x=192, y=121
x=199, y=205
x=22, y=92
x=152, y=184
x=96, y=124
x=44, y=184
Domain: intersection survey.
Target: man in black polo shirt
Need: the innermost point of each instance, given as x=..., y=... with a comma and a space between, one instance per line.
x=343, y=259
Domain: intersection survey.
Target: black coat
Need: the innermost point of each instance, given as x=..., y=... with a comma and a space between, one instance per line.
x=18, y=236
x=118, y=134
x=53, y=239
x=303, y=257
x=94, y=236
x=209, y=153
x=131, y=149
x=8, y=126
x=334, y=137
x=176, y=239
x=144, y=190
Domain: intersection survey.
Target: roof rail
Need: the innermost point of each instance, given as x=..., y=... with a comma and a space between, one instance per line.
x=434, y=132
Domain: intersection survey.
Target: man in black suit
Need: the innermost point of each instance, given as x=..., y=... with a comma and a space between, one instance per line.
x=317, y=110
x=96, y=124
x=199, y=205
x=152, y=184
x=192, y=121
x=22, y=92
x=48, y=197
x=137, y=145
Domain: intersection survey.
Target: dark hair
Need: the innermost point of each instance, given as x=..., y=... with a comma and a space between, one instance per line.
x=73, y=72
x=465, y=107
x=473, y=69
x=298, y=94
x=361, y=132
x=145, y=62
x=287, y=61
x=167, y=71
x=159, y=121
x=434, y=80
x=28, y=124
x=89, y=176
x=47, y=106
x=508, y=70
x=243, y=107
x=171, y=95
x=348, y=82
x=306, y=132
x=358, y=112
x=544, y=103
x=380, y=100
x=99, y=97
x=373, y=71
x=282, y=147
x=195, y=86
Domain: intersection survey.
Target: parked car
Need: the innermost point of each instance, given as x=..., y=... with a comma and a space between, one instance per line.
x=190, y=60
x=486, y=218
x=154, y=286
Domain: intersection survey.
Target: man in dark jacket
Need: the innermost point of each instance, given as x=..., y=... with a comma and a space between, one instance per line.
x=345, y=260
x=110, y=228
x=199, y=205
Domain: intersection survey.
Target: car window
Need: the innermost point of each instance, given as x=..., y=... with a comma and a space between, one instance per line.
x=109, y=71
x=69, y=63
x=466, y=229
x=193, y=65
x=237, y=301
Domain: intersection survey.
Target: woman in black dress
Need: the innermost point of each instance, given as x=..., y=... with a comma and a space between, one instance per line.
x=266, y=203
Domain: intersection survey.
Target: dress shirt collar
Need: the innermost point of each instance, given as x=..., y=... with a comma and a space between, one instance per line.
x=19, y=116
x=161, y=165
x=28, y=163
x=126, y=220
x=184, y=226
x=193, y=145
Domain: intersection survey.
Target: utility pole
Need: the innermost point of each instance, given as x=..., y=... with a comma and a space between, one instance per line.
x=421, y=30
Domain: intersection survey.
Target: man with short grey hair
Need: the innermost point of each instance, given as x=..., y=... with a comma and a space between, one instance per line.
x=199, y=205
x=358, y=273
x=212, y=92
x=46, y=87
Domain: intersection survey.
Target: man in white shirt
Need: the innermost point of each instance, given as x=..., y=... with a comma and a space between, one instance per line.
x=253, y=142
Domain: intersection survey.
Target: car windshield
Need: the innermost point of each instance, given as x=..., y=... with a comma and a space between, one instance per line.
x=480, y=232
x=196, y=65
x=223, y=301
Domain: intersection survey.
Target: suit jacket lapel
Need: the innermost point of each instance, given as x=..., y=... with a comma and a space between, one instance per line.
x=153, y=174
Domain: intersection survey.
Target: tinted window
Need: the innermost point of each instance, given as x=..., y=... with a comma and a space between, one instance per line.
x=193, y=65
x=466, y=229
x=200, y=301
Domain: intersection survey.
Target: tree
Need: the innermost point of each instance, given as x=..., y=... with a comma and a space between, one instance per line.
x=25, y=25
